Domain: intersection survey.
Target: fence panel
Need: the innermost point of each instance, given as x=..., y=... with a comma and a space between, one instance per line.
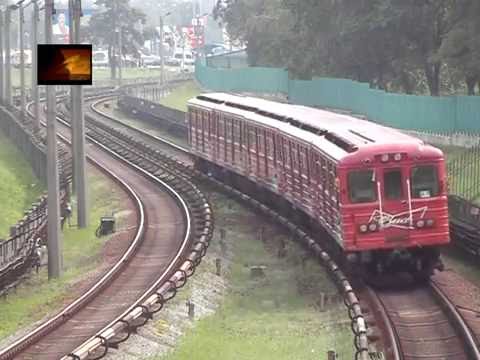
x=424, y=113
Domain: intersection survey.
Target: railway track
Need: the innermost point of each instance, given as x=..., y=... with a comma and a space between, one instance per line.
x=167, y=247
x=150, y=144
x=423, y=322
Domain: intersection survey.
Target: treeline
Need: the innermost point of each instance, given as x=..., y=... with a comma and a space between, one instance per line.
x=411, y=46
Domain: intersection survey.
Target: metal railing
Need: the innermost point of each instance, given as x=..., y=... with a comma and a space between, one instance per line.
x=464, y=174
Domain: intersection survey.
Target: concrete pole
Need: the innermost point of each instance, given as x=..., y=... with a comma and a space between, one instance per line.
x=21, y=21
x=36, y=104
x=55, y=251
x=79, y=124
x=120, y=58
x=74, y=136
x=1, y=58
x=183, y=52
x=162, y=61
x=8, y=78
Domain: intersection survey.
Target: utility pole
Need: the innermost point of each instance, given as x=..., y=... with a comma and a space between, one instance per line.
x=162, y=61
x=120, y=58
x=8, y=78
x=36, y=105
x=78, y=122
x=113, y=54
x=21, y=21
x=71, y=40
x=55, y=248
x=1, y=58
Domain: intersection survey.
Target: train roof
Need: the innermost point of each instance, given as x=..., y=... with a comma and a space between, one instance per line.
x=337, y=134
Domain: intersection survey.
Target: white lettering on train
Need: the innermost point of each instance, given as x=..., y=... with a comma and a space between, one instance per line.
x=400, y=220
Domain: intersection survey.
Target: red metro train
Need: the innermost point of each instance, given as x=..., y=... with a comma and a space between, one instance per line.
x=381, y=194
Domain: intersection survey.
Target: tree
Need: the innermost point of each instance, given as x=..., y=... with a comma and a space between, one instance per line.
x=413, y=45
x=116, y=17
x=263, y=24
x=461, y=48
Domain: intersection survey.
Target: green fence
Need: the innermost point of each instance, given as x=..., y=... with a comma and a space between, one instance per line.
x=234, y=59
x=437, y=114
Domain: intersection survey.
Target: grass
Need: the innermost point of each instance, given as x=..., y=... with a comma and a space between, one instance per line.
x=276, y=317
x=18, y=185
x=37, y=297
x=178, y=98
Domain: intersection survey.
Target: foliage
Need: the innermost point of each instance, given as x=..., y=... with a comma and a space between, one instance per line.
x=37, y=296
x=18, y=185
x=277, y=316
x=178, y=98
x=412, y=45
x=115, y=18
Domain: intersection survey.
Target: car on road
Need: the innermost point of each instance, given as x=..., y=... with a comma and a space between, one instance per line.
x=150, y=60
x=100, y=58
x=176, y=59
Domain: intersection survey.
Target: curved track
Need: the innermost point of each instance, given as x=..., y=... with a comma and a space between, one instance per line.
x=422, y=323
x=153, y=257
x=98, y=118
x=183, y=154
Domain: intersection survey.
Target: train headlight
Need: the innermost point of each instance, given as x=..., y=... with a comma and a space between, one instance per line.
x=420, y=223
x=372, y=227
x=363, y=228
x=384, y=158
x=397, y=157
x=430, y=222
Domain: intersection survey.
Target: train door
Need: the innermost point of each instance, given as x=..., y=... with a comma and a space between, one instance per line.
x=393, y=215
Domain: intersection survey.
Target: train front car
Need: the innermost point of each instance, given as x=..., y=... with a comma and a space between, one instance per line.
x=394, y=206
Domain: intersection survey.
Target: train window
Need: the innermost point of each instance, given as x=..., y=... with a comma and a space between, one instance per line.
x=392, y=180
x=270, y=148
x=261, y=149
x=280, y=148
x=424, y=181
x=253, y=140
x=220, y=126
x=228, y=128
x=361, y=187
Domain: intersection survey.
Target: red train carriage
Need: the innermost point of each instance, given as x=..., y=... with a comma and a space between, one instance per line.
x=380, y=194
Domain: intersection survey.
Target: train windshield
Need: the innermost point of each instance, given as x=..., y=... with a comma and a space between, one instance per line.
x=393, y=184
x=361, y=186
x=424, y=181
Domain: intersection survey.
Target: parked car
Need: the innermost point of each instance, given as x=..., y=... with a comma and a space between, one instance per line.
x=176, y=59
x=150, y=60
x=100, y=58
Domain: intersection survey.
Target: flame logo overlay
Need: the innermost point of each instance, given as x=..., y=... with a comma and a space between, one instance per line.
x=64, y=64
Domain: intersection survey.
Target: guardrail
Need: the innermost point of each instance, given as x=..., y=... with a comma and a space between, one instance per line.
x=465, y=224
x=18, y=252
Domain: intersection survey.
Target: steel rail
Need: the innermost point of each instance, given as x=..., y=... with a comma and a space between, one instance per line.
x=392, y=335
x=458, y=321
x=94, y=108
x=394, y=346
x=28, y=339
x=148, y=300
x=359, y=325
x=14, y=348
x=449, y=311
